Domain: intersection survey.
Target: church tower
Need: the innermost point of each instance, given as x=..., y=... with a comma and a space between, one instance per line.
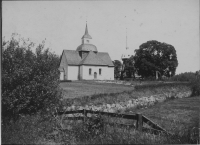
x=86, y=37
x=86, y=45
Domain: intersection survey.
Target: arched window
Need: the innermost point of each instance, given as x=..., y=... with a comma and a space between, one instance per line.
x=90, y=71
x=100, y=71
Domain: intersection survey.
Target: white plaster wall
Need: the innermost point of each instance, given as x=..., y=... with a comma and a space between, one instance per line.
x=63, y=63
x=73, y=72
x=81, y=72
x=106, y=73
x=110, y=73
x=61, y=75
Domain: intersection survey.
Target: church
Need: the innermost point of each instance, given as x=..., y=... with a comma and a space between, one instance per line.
x=86, y=63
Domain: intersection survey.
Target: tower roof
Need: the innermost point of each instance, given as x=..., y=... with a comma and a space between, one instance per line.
x=86, y=35
x=127, y=54
x=86, y=47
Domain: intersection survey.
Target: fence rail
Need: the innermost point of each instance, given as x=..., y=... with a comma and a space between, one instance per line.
x=140, y=119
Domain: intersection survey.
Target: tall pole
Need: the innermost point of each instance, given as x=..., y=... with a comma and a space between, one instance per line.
x=126, y=37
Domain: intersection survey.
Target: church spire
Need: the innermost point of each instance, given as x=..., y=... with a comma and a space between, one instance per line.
x=86, y=30
x=86, y=35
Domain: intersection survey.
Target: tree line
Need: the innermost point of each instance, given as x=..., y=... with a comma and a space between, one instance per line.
x=151, y=59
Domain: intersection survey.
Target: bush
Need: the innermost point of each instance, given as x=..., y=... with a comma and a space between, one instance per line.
x=187, y=76
x=195, y=87
x=29, y=80
x=28, y=129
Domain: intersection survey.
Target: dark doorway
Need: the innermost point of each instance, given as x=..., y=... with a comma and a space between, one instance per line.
x=95, y=75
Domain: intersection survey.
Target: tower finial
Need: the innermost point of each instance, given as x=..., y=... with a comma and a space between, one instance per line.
x=86, y=29
x=86, y=35
x=126, y=39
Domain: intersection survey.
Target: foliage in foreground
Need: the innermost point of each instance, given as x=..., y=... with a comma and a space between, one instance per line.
x=29, y=80
x=27, y=129
x=40, y=130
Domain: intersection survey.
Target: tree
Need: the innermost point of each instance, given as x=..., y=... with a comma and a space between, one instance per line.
x=129, y=67
x=197, y=74
x=29, y=80
x=117, y=69
x=155, y=56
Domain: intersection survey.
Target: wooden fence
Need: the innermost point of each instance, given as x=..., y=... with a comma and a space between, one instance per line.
x=140, y=120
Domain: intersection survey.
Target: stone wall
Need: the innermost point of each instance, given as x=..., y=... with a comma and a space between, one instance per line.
x=142, y=102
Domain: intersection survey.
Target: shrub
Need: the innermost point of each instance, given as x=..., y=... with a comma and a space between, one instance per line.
x=195, y=87
x=29, y=80
x=187, y=76
x=27, y=129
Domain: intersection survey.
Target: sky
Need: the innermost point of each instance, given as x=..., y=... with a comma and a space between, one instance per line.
x=62, y=24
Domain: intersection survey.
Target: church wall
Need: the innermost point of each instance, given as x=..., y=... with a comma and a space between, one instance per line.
x=110, y=72
x=80, y=72
x=73, y=72
x=106, y=73
x=63, y=63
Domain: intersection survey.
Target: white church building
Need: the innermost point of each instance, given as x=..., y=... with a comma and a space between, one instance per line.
x=86, y=63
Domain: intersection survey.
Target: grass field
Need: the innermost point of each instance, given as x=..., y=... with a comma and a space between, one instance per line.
x=87, y=88
x=81, y=93
x=182, y=112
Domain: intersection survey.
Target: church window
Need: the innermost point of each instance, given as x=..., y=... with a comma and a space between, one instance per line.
x=100, y=71
x=90, y=71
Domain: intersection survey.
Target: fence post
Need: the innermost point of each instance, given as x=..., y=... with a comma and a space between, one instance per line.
x=139, y=122
x=84, y=119
x=85, y=115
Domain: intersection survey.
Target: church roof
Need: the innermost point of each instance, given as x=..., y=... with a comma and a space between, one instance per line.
x=72, y=57
x=105, y=57
x=61, y=68
x=101, y=58
x=86, y=47
x=92, y=59
x=86, y=35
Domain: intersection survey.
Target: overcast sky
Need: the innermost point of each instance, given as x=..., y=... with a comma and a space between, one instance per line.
x=62, y=23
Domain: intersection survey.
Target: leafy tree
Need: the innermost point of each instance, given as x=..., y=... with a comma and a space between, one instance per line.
x=155, y=56
x=129, y=67
x=117, y=69
x=29, y=80
x=197, y=74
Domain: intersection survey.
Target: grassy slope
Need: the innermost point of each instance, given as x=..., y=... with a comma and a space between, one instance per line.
x=179, y=116
x=174, y=115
